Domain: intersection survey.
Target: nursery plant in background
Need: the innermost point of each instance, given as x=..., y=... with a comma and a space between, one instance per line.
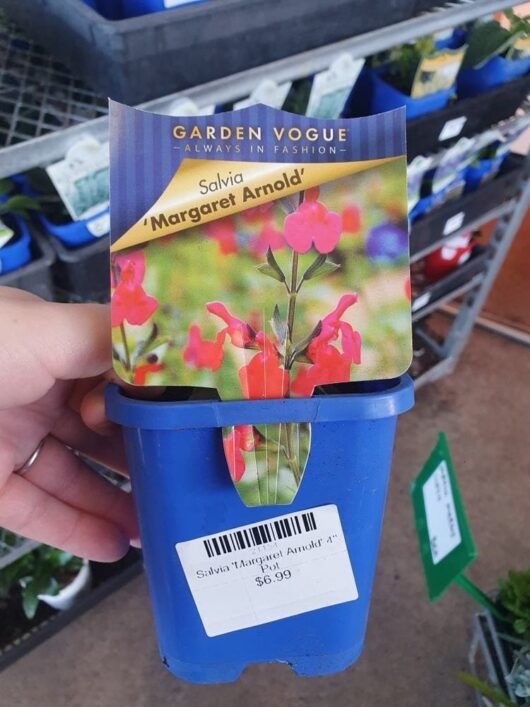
x=490, y=39
x=39, y=574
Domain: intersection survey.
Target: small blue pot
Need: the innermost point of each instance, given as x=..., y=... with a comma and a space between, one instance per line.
x=385, y=97
x=475, y=174
x=472, y=82
x=183, y=491
x=16, y=252
x=132, y=8
x=74, y=233
x=422, y=206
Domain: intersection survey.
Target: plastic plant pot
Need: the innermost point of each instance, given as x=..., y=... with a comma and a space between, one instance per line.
x=183, y=491
x=385, y=97
x=17, y=252
x=82, y=274
x=486, y=169
x=472, y=82
x=36, y=275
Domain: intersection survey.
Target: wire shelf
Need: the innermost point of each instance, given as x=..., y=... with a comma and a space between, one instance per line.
x=37, y=94
x=12, y=547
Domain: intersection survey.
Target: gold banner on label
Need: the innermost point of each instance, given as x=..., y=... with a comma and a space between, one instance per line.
x=205, y=190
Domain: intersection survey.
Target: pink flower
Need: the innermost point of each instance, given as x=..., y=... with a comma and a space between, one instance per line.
x=200, y=353
x=129, y=300
x=240, y=333
x=224, y=232
x=267, y=238
x=263, y=376
x=257, y=213
x=136, y=257
x=330, y=366
x=312, y=224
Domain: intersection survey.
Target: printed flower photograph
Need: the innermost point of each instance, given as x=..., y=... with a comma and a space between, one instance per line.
x=277, y=301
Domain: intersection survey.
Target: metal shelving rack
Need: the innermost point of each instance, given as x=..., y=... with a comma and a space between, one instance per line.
x=46, y=109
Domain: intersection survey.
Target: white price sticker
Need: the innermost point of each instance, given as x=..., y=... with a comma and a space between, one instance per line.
x=268, y=571
x=100, y=225
x=442, y=523
x=421, y=301
x=452, y=128
x=454, y=223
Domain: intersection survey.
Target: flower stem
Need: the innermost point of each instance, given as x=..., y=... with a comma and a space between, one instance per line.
x=126, y=348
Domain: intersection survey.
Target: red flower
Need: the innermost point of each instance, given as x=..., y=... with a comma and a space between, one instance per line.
x=330, y=365
x=129, y=301
x=224, y=232
x=240, y=333
x=141, y=372
x=257, y=213
x=119, y=262
x=312, y=224
x=200, y=353
x=241, y=438
x=351, y=219
x=408, y=289
x=267, y=238
x=263, y=377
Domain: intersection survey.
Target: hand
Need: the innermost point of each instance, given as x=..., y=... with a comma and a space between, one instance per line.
x=54, y=359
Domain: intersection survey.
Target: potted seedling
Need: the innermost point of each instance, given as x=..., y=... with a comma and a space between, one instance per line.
x=495, y=54
x=500, y=648
x=46, y=574
x=15, y=240
x=417, y=74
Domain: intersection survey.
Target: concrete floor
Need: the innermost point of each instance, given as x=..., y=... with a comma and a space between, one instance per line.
x=413, y=649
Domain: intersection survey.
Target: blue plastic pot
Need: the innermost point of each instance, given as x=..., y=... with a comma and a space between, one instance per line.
x=17, y=252
x=477, y=173
x=183, y=491
x=385, y=97
x=422, y=206
x=131, y=8
x=73, y=233
x=472, y=82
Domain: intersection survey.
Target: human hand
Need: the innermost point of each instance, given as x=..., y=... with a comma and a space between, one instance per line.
x=54, y=359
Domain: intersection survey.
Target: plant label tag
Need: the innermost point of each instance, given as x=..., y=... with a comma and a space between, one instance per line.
x=452, y=128
x=268, y=92
x=82, y=178
x=331, y=88
x=268, y=571
x=421, y=301
x=454, y=223
x=6, y=233
x=445, y=541
x=99, y=226
x=437, y=72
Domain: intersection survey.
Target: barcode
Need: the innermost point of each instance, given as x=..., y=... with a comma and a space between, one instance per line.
x=260, y=534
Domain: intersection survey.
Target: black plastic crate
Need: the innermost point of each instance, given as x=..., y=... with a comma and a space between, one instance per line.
x=36, y=276
x=456, y=215
x=136, y=59
x=465, y=118
x=82, y=274
x=463, y=274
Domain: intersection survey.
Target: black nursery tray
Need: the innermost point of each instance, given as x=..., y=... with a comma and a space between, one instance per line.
x=464, y=275
x=82, y=274
x=454, y=216
x=139, y=58
x=18, y=635
x=465, y=118
x=36, y=276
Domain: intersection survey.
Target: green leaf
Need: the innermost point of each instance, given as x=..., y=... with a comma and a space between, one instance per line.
x=6, y=186
x=271, y=267
x=299, y=352
x=20, y=205
x=487, y=40
x=492, y=693
x=279, y=327
x=320, y=267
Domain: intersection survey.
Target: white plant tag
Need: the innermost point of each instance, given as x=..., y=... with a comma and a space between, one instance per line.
x=100, y=225
x=186, y=107
x=267, y=92
x=268, y=571
x=452, y=128
x=6, y=233
x=421, y=301
x=82, y=178
x=331, y=88
x=442, y=523
x=454, y=223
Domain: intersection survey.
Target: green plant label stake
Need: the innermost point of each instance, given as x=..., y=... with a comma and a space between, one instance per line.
x=446, y=544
